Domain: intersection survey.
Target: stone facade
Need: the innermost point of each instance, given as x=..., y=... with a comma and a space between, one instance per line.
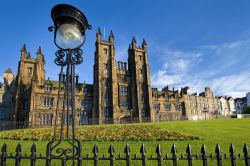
x=121, y=91
x=167, y=104
x=240, y=104
x=228, y=106
x=7, y=90
x=201, y=106
x=231, y=106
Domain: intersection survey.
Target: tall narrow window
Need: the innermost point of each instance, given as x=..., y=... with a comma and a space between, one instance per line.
x=48, y=101
x=105, y=51
x=156, y=107
x=106, y=112
x=29, y=70
x=142, y=100
x=85, y=91
x=177, y=106
x=106, y=98
x=167, y=106
x=143, y=113
x=85, y=104
x=123, y=91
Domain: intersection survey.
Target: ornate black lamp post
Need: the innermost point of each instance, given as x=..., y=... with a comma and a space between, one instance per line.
x=69, y=35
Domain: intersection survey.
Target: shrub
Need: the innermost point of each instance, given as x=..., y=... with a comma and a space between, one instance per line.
x=102, y=133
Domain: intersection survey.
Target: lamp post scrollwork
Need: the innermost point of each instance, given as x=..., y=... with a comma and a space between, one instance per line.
x=69, y=36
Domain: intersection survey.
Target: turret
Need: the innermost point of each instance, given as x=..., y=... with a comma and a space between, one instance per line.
x=144, y=44
x=98, y=34
x=133, y=42
x=111, y=37
x=39, y=54
x=23, y=52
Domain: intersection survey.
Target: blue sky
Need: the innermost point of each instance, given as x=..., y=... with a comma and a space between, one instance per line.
x=193, y=43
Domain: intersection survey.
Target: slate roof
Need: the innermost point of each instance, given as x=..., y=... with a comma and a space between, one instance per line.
x=8, y=71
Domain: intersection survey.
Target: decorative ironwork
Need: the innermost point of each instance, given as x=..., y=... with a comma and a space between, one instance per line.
x=66, y=14
x=68, y=59
x=129, y=159
x=65, y=56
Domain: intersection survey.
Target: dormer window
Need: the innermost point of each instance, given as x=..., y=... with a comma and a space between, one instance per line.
x=48, y=88
x=167, y=97
x=177, y=106
x=85, y=91
x=156, y=96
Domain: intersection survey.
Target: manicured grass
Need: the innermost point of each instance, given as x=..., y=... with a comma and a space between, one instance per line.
x=224, y=132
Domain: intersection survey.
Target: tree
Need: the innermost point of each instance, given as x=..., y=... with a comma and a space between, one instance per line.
x=246, y=110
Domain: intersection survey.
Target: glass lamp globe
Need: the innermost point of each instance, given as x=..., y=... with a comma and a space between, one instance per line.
x=68, y=36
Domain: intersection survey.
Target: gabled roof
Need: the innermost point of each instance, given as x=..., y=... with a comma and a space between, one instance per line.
x=9, y=71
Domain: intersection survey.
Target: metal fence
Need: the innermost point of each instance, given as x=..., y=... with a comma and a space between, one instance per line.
x=159, y=158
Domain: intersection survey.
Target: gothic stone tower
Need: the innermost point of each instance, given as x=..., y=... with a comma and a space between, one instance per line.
x=140, y=82
x=105, y=99
x=29, y=70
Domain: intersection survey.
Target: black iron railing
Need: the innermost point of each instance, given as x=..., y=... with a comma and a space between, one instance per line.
x=189, y=157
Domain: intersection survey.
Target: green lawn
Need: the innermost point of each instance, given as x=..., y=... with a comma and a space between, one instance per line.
x=224, y=132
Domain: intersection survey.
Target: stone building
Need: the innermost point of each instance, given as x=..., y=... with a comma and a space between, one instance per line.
x=6, y=95
x=121, y=91
x=167, y=104
x=227, y=106
x=224, y=106
x=231, y=106
x=240, y=104
x=200, y=106
x=36, y=97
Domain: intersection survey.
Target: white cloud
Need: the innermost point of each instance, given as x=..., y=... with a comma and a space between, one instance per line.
x=235, y=85
x=161, y=79
x=177, y=61
x=222, y=67
x=180, y=65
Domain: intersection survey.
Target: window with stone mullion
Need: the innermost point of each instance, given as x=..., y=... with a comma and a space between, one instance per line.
x=48, y=101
